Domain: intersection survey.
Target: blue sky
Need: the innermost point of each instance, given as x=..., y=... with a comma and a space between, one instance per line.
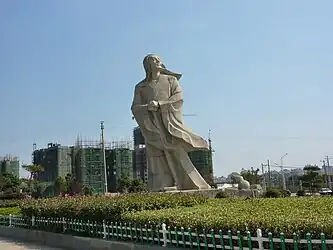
x=257, y=73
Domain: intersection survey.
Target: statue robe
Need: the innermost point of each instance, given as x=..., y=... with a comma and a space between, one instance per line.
x=167, y=139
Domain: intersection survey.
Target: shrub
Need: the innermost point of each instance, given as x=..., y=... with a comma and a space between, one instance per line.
x=300, y=193
x=106, y=208
x=5, y=211
x=9, y=203
x=273, y=193
x=278, y=215
x=285, y=193
x=12, y=196
x=222, y=194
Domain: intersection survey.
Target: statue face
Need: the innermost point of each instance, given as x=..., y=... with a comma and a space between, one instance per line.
x=155, y=62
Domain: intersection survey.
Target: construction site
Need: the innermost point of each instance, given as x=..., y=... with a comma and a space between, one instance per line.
x=10, y=164
x=88, y=163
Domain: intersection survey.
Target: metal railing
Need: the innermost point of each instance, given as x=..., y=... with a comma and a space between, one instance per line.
x=167, y=237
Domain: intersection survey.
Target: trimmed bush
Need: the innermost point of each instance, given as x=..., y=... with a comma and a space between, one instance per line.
x=221, y=195
x=5, y=211
x=12, y=196
x=285, y=193
x=288, y=215
x=106, y=208
x=10, y=203
x=273, y=193
x=300, y=193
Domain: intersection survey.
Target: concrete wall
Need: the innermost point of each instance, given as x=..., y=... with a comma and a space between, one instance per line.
x=69, y=242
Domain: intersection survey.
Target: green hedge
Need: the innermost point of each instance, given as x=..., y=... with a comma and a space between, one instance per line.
x=288, y=215
x=5, y=211
x=10, y=203
x=106, y=208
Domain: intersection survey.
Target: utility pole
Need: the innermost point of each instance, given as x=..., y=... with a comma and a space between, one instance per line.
x=328, y=172
x=269, y=174
x=104, y=158
x=325, y=172
x=282, y=172
x=211, y=151
x=263, y=176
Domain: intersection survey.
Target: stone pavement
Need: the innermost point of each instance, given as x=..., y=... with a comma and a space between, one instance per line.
x=9, y=244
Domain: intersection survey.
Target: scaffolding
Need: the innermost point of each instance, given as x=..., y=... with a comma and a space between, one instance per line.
x=202, y=160
x=10, y=164
x=8, y=157
x=89, y=165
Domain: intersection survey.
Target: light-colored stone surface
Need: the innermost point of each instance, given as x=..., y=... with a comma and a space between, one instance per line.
x=157, y=108
x=210, y=193
x=9, y=244
x=242, y=184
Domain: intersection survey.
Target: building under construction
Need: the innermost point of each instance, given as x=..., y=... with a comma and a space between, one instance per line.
x=9, y=164
x=140, y=166
x=202, y=160
x=89, y=163
x=119, y=162
x=55, y=159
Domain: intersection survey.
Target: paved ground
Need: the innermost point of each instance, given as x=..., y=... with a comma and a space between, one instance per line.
x=6, y=244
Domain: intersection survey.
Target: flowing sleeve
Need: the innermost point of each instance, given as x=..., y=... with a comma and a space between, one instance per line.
x=137, y=101
x=176, y=96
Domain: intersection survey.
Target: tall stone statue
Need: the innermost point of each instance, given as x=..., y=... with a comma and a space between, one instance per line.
x=157, y=108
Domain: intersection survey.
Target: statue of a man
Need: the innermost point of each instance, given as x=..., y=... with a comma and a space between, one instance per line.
x=157, y=108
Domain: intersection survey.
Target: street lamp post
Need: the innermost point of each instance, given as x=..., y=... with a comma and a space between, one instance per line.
x=283, y=177
x=104, y=158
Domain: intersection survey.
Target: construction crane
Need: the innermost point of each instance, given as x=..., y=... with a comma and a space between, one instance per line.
x=183, y=115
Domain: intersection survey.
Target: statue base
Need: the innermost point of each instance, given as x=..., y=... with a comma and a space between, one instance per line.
x=166, y=189
x=210, y=193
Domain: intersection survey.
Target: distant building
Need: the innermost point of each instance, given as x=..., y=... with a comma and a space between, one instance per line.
x=202, y=160
x=89, y=164
x=140, y=164
x=119, y=163
x=89, y=167
x=10, y=165
x=56, y=160
x=138, y=138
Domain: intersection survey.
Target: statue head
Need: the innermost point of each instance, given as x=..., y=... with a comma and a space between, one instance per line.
x=153, y=62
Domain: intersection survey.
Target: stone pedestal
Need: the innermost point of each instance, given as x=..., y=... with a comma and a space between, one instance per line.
x=210, y=193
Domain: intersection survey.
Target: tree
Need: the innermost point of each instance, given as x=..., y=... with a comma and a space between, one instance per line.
x=73, y=186
x=8, y=181
x=137, y=186
x=88, y=191
x=251, y=175
x=34, y=171
x=39, y=188
x=312, y=178
x=124, y=183
x=60, y=185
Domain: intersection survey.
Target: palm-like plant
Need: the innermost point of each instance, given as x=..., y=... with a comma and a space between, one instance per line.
x=34, y=171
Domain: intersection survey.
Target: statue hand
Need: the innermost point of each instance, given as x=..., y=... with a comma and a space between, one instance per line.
x=153, y=106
